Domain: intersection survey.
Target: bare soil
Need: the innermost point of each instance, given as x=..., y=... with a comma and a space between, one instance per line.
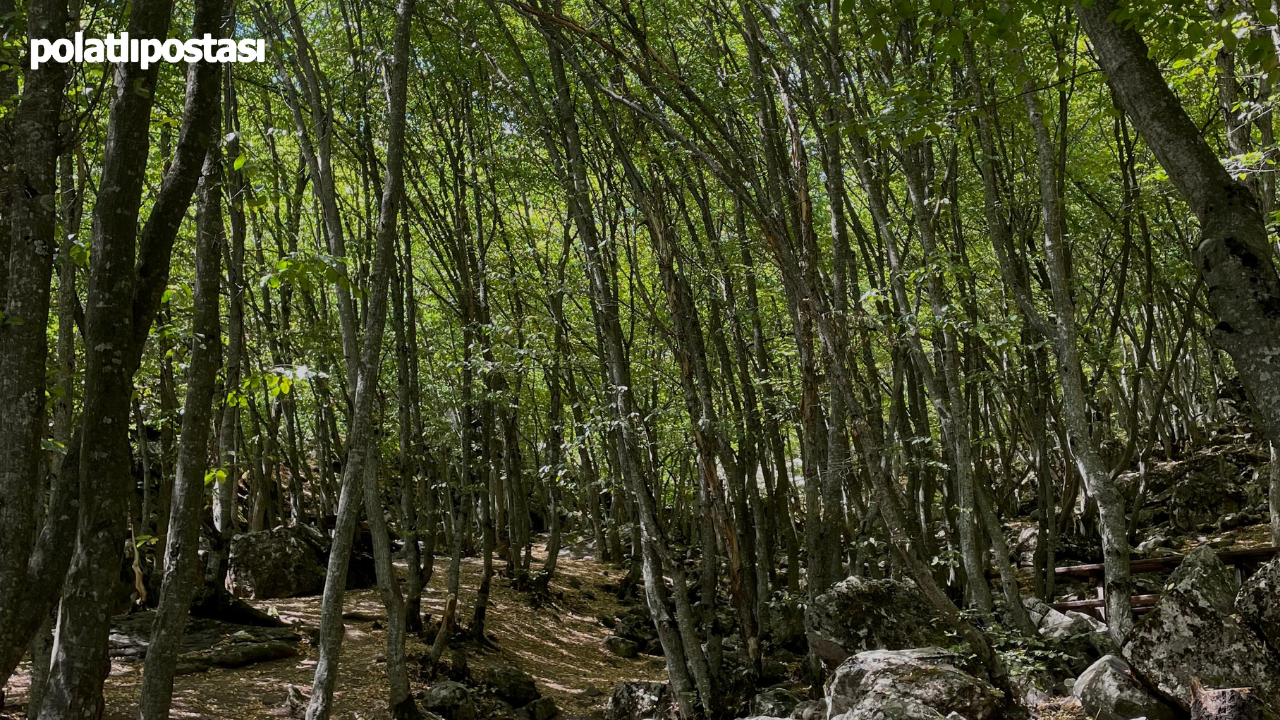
x=557, y=641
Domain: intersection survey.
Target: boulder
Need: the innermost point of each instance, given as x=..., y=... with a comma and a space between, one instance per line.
x=783, y=624
x=361, y=571
x=509, y=683
x=1203, y=575
x=857, y=614
x=1080, y=639
x=916, y=683
x=1259, y=602
x=776, y=703
x=636, y=628
x=206, y=643
x=773, y=671
x=1032, y=687
x=451, y=700
x=544, y=708
x=1228, y=704
x=273, y=563
x=1153, y=543
x=810, y=710
x=1109, y=690
x=1204, y=495
x=1056, y=624
x=1191, y=634
x=640, y=701
x=892, y=709
x=621, y=646
x=1024, y=547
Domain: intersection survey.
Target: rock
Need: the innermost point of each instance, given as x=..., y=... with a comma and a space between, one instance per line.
x=1054, y=624
x=295, y=703
x=206, y=643
x=1158, y=540
x=234, y=655
x=1109, y=690
x=1077, y=549
x=1204, y=495
x=772, y=671
x=1024, y=548
x=1032, y=687
x=1228, y=704
x=783, y=624
x=1235, y=520
x=1037, y=609
x=544, y=708
x=640, y=701
x=273, y=563
x=810, y=710
x=621, y=646
x=591, y=692
x=636, y=628
x=509, y=683
x=451, y=700
x=892, y=709
x=1064, y=625
x=1259, y=602
x=917, y=683
x=857, y=614
x=776, y=702
x=1191, y=633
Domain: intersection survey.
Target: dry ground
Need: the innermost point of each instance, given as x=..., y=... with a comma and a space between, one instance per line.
x=559, y=644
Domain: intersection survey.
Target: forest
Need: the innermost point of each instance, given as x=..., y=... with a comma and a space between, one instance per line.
x=641, y=359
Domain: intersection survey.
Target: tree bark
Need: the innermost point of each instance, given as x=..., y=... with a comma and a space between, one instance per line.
x=181, y=562
x=122, y=303
x=27, y=259
x=361, y=440
x=1233, y=256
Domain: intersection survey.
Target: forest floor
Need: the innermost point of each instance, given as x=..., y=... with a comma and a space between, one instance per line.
x=558, y=642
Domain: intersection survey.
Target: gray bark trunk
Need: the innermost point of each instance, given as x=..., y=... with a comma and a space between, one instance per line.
x=362, y=439
x=1233, y=256
x=181, y=561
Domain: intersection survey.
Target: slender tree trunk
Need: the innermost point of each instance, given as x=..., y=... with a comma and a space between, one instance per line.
x=361, y=433
x=605, y=311
x=1111, y=503
x=228, y=480
x=181, y=562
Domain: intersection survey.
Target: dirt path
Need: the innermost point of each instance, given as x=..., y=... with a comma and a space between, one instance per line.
x=559, y=644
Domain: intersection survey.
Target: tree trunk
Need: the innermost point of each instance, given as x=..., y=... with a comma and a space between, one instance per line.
x=181, y=562
x=361, y=437
x=122, y=303
x=1233, y=257
x=27, y=255
x=1111, y=503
